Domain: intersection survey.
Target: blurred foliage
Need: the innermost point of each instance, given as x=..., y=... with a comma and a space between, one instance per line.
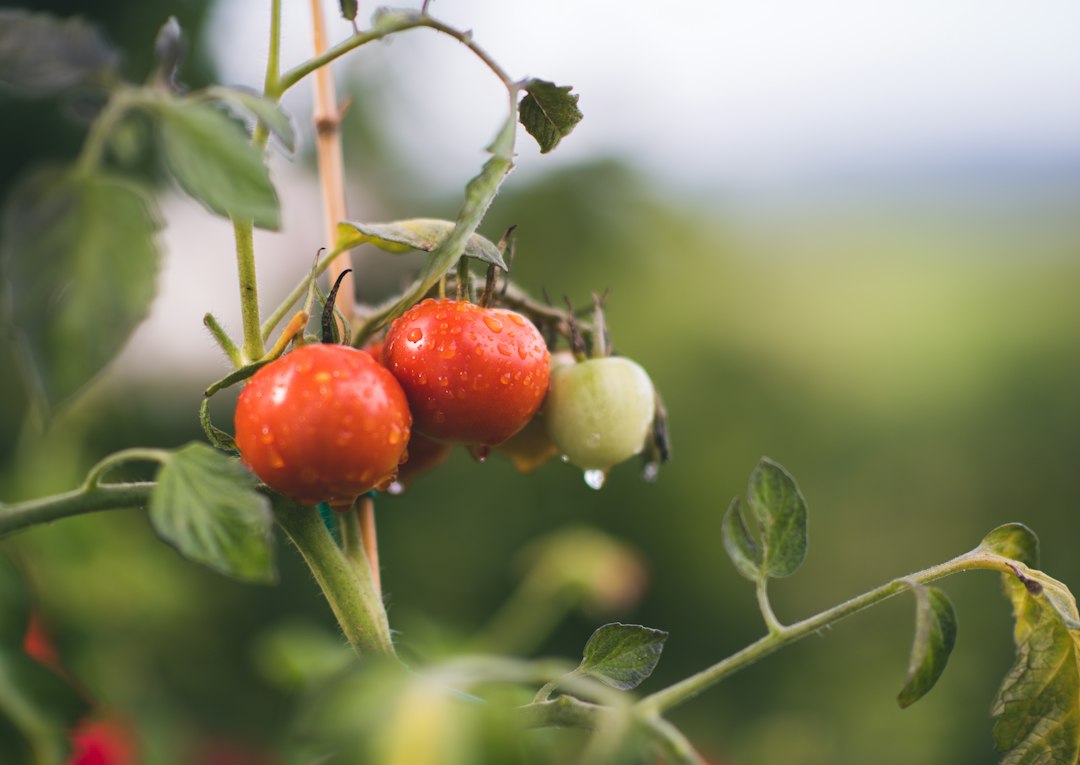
x=917, y=370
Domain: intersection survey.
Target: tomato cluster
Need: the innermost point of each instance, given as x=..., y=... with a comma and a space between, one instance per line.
x=327, y=422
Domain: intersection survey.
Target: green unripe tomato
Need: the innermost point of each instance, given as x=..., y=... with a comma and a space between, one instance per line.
x=599, y=412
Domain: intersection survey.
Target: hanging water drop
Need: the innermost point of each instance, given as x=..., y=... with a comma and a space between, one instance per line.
x=395, y=488
x=650, y=471
x=595, y=479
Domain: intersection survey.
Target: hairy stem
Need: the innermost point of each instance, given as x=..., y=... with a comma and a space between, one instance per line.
x=348, y=588
x=86, y=499
x=690, y=687
x=390, y=24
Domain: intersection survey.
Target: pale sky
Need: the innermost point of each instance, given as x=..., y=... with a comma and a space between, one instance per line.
x=731, y=93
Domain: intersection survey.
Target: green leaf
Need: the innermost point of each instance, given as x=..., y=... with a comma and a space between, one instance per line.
x=40, y=706
x=348, y=9
x=1015, y=541
x=549, y=112
x=416, y=234
x=79, y=254
x=1037, y=709
x=622, y=655
x=212, y=159
x=205, y=504
x=41, y=55
x=780, y=511
x=266, y=110
x=740, y=546
x=14, y=605
x=935, y=636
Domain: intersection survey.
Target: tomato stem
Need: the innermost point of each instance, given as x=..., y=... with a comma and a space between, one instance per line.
x=349, y=588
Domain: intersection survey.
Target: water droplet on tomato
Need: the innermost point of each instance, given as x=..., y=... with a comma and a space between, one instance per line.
x=442, y=381
x=517, y=319
x=395, y=436
x=493, y=324
x=504, y=349
x=505, y=378
x=595, y=479
x=421, y=379
x=523, y=353
x=448, y=351
x=415, y=335
x=440, y=416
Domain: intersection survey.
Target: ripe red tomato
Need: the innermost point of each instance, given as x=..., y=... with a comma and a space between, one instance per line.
x=472, y=375
x=323, y=423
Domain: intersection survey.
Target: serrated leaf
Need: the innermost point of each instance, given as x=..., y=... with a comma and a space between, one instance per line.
x=206, y=506
x=213, y=161
x=549, y=112
x=778, y=507
x=738, y=543
x=41, y=55
x=40, y=706
x=349, y=9
x=1015, y=541
x=416, y=234
x=1037, y=709
x=935, y=636
x=79, y=256
x=622, y=655
x=266, y=110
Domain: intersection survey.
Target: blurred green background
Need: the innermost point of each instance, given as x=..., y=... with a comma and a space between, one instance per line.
x=913, y=361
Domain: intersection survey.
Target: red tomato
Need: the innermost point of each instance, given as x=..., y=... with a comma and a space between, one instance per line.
x=104, y=741
x=472, y=375
x=323, y=423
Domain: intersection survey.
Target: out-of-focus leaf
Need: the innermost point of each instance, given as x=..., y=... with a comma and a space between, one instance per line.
x=416, y=234
x=349, y=9
x=205, y=504
x=14, y=605
x=79, y=259
x=549, y=112
x=622, y=655
x=266, y=110
x=1037, y=709
x=38, y=705
x=935, y=636
x=213, y=161
x=41, y=55
x=298, y=654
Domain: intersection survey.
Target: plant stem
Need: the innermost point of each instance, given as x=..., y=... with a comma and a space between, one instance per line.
x=331, y=164
x=93, y=150
x=771, y=621
x=684, y=690
x=20, y=515
x=390, y=24
x=348, y=587
x=252, y=346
